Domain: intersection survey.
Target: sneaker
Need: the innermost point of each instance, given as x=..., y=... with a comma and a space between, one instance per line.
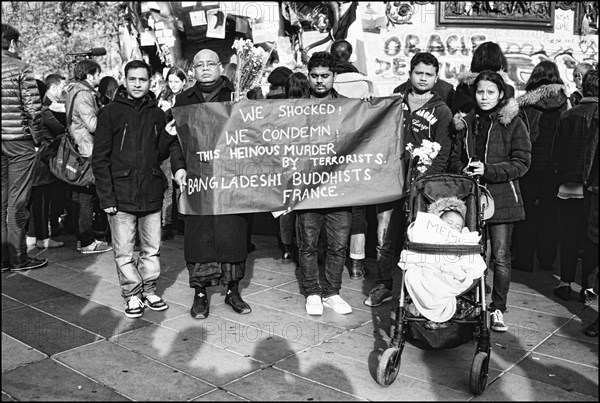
x=30, y=264
x=336, y=303
x=155, y=302
x=31, y=240
x=498, y=321
x=97, y=240
x=96, y=247
x=587, y=296
x=314, y=305
x=49, y=243
x=134, y=307
x=378, y=295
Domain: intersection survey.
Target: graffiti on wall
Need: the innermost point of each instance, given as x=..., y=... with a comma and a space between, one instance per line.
x=454, y=52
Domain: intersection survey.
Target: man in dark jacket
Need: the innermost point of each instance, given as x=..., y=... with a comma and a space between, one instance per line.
x=425, y=116
x=215, y=247
x=130, y=143
x=310, y=222
x=22, y=131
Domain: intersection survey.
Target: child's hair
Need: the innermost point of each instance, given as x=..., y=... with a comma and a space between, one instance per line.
x=445, y=204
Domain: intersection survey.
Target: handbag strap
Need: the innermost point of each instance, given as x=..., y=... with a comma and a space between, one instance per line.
x=70, y=114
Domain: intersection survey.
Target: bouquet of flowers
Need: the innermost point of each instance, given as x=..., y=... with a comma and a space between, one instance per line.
x=426, y=153
x=251, y=62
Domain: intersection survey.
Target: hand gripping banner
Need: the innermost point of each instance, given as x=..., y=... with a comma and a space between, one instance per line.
x=290, y=154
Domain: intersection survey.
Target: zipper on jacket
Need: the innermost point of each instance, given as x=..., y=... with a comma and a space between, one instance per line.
x=123, y=139
x=487, y=142
x=512, y=185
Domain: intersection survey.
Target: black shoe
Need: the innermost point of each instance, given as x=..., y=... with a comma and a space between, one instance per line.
x=167, y=233
x=30, y=264
x=237, y=303
x=288, y=252
x=200, y=307
x=251, y=247
x=357, y=270
x=563, y=292
x=586, y=296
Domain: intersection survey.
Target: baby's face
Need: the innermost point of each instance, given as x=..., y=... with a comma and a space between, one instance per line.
x=453, y=219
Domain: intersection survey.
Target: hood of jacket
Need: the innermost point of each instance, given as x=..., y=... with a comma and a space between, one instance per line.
x=505, y=114
x=444, y=204
x=549, y=96
x=121, y=96
x=433, y=102
x=468, y=77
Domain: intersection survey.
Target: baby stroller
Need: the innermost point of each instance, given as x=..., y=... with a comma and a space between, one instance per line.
x=459, y=329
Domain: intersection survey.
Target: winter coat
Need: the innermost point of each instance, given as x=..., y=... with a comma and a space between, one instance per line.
x=85, y=115
x=430, y=122
x=130, y=144
x=443, y=88
x=464, y=98
x=54, y=123
x=543, y=107
x=590, y=167
x=213, y=238
x=21, y=102
x=571, y=137
x=507, y=158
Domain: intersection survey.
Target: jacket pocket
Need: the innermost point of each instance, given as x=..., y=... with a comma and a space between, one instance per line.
x=157, y=185
x=514, y=190
x=123, y=185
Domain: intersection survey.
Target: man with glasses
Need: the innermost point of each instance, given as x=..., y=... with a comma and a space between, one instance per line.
x=215, y=247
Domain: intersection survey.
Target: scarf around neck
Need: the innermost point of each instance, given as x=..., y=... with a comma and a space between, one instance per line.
x=207, y=89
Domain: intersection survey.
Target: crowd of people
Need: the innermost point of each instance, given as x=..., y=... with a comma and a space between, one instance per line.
x=536, y=154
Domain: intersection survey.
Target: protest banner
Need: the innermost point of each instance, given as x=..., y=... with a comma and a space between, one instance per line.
x=290, y=154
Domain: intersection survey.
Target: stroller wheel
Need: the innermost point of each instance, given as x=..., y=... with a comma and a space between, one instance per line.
x=479, y=372
x=389, y=363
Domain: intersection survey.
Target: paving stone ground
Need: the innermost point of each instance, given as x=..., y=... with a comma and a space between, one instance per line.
x=65, y=337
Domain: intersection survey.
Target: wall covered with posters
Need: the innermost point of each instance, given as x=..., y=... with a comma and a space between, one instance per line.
x=390, y=42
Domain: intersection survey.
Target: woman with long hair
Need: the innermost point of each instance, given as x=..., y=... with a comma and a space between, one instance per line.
x=492, y=143
x=487, y=56
x=176, y=80
x=543, y=102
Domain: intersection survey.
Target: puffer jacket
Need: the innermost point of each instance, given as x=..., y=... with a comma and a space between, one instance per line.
x=569, y=145
x=543, y=107
x=130, y=144
x=464, y=99
x=85, y=115
x=430, y=122
x=507, y=158
x=21, y=102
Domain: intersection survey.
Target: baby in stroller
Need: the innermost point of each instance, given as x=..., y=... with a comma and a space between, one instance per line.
x=434, y=280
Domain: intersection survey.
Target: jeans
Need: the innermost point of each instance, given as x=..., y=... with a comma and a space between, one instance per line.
x=337, y=226
x=390, y=219
x=136, y=278
x=358, y=232
x=573, y=228
x=500, y=240
x=167, y=208
x=83, y=213
x=18, y=163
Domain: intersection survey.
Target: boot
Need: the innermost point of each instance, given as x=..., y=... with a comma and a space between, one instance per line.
x=357, y=269
x=288, y=253
x=200, y=307
x=234, y=299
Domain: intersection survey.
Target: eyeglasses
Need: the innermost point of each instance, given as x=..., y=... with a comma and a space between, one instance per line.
x=210, y=65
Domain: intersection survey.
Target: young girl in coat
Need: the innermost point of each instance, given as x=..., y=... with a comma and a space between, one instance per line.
x=492, y=142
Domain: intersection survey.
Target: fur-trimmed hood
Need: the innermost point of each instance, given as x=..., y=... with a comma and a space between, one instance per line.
x=505, y=114
x=444, y=204
x=547, y=96
x=468, y=77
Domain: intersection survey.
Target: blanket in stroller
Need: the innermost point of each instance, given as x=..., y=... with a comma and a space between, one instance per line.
x=433, y=281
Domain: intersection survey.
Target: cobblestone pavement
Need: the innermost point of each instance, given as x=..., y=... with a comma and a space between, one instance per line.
x=65, y=337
